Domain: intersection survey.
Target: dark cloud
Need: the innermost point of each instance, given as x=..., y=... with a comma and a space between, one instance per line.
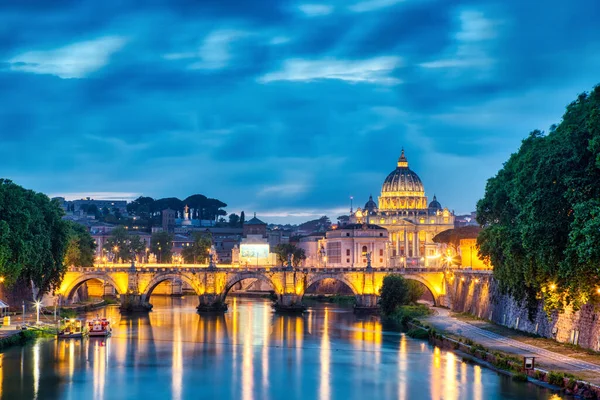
x=177, y=102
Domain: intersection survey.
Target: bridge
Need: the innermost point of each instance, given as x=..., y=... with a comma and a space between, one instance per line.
x=135, y=283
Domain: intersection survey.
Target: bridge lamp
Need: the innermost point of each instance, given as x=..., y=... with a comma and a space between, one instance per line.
x=597, y=290
x=1, y=279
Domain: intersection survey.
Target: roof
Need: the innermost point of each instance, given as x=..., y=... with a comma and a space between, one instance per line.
x=359, y=226
x=3, y=304
x=254, y=221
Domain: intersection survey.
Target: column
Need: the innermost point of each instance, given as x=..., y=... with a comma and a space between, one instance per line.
x=417, y=245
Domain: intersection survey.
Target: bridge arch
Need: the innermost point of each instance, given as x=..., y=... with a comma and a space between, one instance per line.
x=168, y=276
x=76, y=284
x=240, y=276
x=312, y=279
x=428, y=285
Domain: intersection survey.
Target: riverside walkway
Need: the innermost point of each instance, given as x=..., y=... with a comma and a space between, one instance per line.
x=546, y=359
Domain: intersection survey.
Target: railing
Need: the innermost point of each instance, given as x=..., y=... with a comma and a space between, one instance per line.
x=262, y=268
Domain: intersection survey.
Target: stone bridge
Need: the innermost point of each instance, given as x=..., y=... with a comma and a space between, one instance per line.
x=134, y=284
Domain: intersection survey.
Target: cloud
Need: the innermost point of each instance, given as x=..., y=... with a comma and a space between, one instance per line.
x=215, y=51
x=315, y=10
x=375, y=70
x=73, y=61
x=470, y=43
x=283, y=190
x=372, y=5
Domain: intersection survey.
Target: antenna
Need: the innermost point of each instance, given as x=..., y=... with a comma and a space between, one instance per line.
x=351, y=198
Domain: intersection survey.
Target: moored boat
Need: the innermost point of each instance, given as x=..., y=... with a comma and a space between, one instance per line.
x=99, y=327
x=71, y=329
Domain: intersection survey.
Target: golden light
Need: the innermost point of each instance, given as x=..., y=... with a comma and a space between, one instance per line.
x=552, y=286
x=597, y=290
x=1, y=279
x=462, y=279
x=449, y=258
x=477, y=280
x=116, y=248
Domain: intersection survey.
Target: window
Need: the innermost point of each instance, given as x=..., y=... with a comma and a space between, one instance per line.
x=348, y=234
x=348, y=260
x=380, y=252
x=432, y=221
x=334, y=252
x=347, y=252
x=381, y=234
x=381, y=221
x=364, y=250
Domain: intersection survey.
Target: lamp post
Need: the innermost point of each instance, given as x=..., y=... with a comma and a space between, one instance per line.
x=38, y=304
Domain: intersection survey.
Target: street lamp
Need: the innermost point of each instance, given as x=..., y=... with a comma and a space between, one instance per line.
x=38, y=305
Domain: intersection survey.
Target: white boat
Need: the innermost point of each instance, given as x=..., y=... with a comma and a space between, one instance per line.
x=99, y=327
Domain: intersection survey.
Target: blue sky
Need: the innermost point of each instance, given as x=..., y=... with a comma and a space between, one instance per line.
x=283, y=108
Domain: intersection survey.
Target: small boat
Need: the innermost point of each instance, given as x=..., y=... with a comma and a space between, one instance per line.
x=71, y=329
x=99, y=327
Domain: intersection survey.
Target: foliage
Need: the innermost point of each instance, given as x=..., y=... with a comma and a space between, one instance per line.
x=285, y=249
x=418, y=333
x=242, y=218
x=197, y=252
x=33, y=237
x=556, y=378
x=321, y=224
x=541, y=213
x=124, y=245
x=234, y=220
x=162, y=246
x=80, y=248
x=397, y=291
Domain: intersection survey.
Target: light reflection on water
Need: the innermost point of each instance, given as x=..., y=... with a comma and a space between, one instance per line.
x=248, y=353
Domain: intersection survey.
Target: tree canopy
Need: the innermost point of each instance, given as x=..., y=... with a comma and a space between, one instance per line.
x=397, y=291
x=124, y=245
x=162, y=246
x=197, y=252
x=33, y=237
x=80, y=248
x=283, y=250
x=541, y=212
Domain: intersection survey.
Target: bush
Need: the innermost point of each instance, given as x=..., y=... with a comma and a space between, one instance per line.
x=519, y=377
x=556, y=378
x=418, y=333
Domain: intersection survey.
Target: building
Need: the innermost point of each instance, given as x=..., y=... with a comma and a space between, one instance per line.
x=409, y=218
x=350, y=245
x=168, y=220
x=111, y=205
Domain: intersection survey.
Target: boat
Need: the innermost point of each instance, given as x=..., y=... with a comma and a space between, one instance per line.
x=71, y=329
x=99, y=327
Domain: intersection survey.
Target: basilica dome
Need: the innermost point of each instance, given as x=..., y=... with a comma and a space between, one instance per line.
x=402, y=189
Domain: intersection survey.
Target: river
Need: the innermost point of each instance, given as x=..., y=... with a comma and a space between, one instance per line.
x=248, y=353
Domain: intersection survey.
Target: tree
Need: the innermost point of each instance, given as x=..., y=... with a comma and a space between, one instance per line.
x=397, y=291
x=283, y=250
x=33, y=238
x=197, y=252
x=123, y=245
x=234, y=220
x=242, y=218
x=162, y=246
x=541, y=213
x=80, y=248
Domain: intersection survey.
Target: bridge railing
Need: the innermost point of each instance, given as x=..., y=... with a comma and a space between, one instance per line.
x=261, y=268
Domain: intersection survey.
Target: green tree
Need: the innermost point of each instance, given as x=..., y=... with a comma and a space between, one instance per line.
x=197, y=252
x=285, y=249
x=397, y=291
x=162, y=246
x=80, y=248
x=234, y=220
x=541, y=213
x=124, y=245
x=33, y=238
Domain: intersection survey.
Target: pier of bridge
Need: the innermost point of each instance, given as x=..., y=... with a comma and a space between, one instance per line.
x=134, y=284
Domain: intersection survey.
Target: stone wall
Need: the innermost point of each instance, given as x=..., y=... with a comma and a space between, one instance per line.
x=477, y=293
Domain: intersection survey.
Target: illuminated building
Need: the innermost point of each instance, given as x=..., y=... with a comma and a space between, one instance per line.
x=410, y=219
x=349, y=245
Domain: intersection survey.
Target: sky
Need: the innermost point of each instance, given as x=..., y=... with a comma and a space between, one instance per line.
x=283, y=108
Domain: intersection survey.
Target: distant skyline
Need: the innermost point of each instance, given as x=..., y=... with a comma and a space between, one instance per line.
x=282, y=108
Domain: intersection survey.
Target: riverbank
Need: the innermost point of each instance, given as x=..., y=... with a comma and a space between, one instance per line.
x=16, y=337
x=501, y=352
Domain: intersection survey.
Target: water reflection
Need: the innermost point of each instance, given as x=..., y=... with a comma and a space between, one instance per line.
x=248, y=353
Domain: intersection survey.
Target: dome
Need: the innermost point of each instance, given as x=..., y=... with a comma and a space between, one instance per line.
x=402, y=189
x=435, y=204
x=370, y=205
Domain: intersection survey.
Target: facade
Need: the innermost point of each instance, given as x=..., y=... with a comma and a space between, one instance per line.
x=349, y=246
x=168, y=220
x=409, y=218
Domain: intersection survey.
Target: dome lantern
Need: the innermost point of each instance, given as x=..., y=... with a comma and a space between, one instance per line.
x=402, y=189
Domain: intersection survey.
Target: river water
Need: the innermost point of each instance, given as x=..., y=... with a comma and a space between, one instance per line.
x=248, y=353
